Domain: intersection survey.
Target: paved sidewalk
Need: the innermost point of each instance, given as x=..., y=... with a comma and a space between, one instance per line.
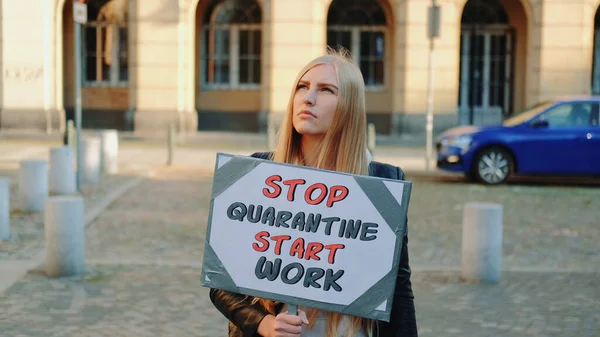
x=144, y=255
x=195, y=152
x=25, y=246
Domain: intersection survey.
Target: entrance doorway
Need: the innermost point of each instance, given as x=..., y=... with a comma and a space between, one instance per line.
x=487, y=63
x=486, y=67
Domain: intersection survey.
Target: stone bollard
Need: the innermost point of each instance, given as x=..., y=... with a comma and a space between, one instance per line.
x=4, y=209
x=62, y=178
x=482, y=242
x=271, y=134
x=90, y=160
x=33, y=184
x=109, y=156
x=71, y=135
x=64, y=230
x=171, y=144
x=371, y=137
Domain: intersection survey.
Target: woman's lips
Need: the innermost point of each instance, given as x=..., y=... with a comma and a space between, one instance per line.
x=307, y=113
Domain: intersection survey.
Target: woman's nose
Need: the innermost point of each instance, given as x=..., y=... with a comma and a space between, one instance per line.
x=310, y=97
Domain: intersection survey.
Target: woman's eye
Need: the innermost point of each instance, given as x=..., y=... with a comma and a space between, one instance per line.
x=302, y=86
x=328, y=89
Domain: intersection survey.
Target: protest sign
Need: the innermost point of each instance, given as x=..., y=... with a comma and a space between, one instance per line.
x=305, y=236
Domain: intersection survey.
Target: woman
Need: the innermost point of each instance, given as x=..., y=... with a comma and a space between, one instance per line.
x=324, y=127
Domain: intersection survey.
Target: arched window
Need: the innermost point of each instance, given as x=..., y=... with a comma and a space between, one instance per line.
x=104, y=44
x=360, y=27
x=232, y=44
x=484, y=12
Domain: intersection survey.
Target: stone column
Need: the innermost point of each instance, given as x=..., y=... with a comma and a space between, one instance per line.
x=412, y=49
x=27, y=60
x=159, y=45
x=294, y=33
x=33, y=184
x=64, y=231
x=4, y=208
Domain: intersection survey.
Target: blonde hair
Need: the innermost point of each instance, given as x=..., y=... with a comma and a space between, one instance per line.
x=343, y=149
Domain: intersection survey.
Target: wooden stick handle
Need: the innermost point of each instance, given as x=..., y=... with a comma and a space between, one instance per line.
x=292, y=309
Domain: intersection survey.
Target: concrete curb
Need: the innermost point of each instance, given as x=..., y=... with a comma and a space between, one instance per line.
x=14, y=270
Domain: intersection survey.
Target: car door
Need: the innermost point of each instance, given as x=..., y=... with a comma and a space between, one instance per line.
x=556, y=141
x=594, y=141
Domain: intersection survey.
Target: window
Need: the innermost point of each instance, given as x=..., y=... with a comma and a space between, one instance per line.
x=104, y=45
x=232, y=45
x=570, y=115
x=360, y=27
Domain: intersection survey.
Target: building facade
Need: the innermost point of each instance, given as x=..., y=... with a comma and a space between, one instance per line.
x=230, y=64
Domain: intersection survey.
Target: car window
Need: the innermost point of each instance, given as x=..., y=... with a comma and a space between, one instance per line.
x=570, y=115
x=528, y=113
x=595, y=114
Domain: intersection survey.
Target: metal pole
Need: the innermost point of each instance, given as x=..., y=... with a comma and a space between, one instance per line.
x=429, y=126
x=78, y=100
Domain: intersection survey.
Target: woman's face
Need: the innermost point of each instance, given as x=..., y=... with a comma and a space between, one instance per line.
x=315, y=101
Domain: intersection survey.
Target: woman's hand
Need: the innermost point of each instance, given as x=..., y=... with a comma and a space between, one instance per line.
x=282, y=325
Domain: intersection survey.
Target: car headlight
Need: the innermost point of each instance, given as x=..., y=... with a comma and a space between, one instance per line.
x=462, y=141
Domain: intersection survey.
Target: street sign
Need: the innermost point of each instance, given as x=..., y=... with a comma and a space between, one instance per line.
x=433, y=21
x=80, y=12
x=305, y=236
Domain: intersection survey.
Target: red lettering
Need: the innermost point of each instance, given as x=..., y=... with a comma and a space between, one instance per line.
x=332, y=250
x=297, y=248
x=333, y=197
x=292, y=184
x=312, y=250
x=309, y=191
x=271, y=183
x=260, y=237
x=279, y=239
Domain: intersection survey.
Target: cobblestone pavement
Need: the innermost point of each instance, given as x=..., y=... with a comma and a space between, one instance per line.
x=112, y=301
x=27, y=229
x=523, y=304
x=145, y=252
x=545, y=227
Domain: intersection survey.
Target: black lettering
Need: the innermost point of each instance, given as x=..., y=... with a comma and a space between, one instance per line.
x=353, y=229
x=312, y=223
x=237, y=211
x=286, y=270
x=252, y=216
x=330, y=279
x=328, y=223
x=342, y=228
x=282, y=217
x=366, y=229
x=269, y=216
x=299, y=221
x=312, y=276
x=267, y=269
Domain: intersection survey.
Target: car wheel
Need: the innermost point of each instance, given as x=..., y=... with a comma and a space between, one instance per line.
x=493, y=166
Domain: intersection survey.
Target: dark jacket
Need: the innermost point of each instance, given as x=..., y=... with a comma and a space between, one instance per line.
x=245, y=317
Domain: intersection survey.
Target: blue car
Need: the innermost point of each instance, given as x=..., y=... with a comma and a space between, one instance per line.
x=555, y=137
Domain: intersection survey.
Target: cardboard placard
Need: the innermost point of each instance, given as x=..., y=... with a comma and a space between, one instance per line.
x=305, y=236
